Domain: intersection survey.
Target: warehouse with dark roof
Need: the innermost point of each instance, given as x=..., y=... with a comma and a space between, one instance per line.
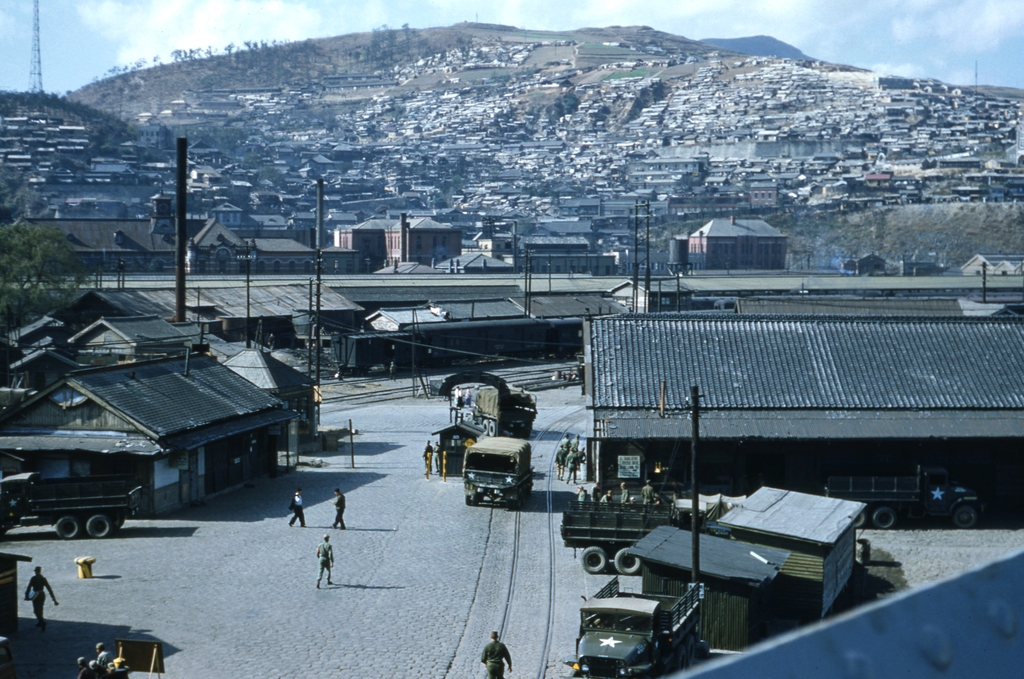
x=788, y=401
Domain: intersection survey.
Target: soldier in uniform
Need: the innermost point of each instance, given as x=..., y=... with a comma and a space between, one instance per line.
x=325, y=555
x=428, y=455
x=560, y=456
x=36, y=591
x=339, y=509
x=582, y=495
x=438, y=453
x=624, y=495
x=572, y=466
x=607, y=497
x=647, y=493
x=492, y=657
x=596, y=493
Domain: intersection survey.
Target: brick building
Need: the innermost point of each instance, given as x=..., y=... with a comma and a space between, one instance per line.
x=737, y=244
x=382, y=242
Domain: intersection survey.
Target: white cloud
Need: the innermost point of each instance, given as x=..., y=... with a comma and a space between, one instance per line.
x=144, y=28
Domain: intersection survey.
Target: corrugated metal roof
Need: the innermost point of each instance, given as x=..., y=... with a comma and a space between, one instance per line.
x=164, y=400
x=265, y=371
x=571, y=306
x=410, y=294
x=847, y=306
x=719, y=557
x=481, y=309
x=792, y=514
x=271, y=300
x=812, y=424
x=809, y=362
x=61, y=440
x=730, y=228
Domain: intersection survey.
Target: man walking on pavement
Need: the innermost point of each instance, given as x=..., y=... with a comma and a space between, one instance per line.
x=339, y=509
x=492, y=657
x=428, y=455
x=36, y=593
x=296, y=506
x=561, y=455
x=325, y=555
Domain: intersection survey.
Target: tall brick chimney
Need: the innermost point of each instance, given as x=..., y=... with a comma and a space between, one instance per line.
x=404, y=245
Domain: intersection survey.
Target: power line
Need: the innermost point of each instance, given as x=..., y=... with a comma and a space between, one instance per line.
x=37, y=63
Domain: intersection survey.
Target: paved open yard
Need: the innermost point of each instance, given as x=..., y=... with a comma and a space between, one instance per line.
x=420, y=577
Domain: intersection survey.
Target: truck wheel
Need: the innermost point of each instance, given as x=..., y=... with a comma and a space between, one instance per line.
x=965, y=516
x=861, y=519
x=884, y=518
x=490, y=427
x=68, y=527
x=99, y=526
x=594, y=560
x=469, y=500
x=626, y=563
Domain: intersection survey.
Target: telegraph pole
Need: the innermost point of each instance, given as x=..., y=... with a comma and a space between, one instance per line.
x=247, y=258
x=37, y=62
x=694, y=484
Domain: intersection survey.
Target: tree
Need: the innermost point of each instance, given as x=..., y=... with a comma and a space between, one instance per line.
x=39, y=270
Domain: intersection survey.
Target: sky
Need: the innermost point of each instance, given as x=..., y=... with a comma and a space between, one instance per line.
x=83, y=39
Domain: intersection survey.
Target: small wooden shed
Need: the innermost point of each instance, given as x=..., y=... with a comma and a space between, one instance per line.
x=737, y=582
x=9, y=594
x=819, y=534
x=453, y=441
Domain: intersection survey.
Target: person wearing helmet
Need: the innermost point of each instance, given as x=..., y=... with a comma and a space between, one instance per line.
x=325, y=555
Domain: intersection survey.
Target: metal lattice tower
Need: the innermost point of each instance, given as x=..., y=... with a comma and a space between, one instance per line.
x=37, y=62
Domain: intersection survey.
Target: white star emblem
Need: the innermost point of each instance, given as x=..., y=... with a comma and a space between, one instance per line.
x=509, y=479
x=471, y=475
x=14, y=503
x=937, y=494
x=610, y=641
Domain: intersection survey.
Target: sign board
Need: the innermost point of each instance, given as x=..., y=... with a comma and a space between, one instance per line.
x=629, y=466
x=142, y=656
x=178, y=460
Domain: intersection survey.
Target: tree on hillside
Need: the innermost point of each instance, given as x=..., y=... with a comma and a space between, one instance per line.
x=39, y=270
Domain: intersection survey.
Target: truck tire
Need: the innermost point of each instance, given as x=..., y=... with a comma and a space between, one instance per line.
x=99, y=526
x=469, y=500
x=594, y=560
x=490, y=427
x=861, y=519
x=626, y=563
x=884, y=518
x=965, y=516
x=68, y=527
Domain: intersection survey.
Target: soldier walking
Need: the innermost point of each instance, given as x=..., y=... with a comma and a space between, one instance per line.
x=296, y=506
x=572, y=466
x=339, y=509
x=561, y=455
x=492, y=657
x=325, y=555
x=428, y=456
x=647, y=493
x=36, y=591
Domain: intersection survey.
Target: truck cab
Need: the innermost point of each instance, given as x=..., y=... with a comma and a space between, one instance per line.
x=497, y=470
x=939, y=495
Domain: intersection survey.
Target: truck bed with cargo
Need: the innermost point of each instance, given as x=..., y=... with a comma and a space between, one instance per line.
x=605, y=530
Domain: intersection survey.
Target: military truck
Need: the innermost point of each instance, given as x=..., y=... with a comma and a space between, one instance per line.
x=605, y=531
x=96, y=505
x=497, y=470
x=636, y=635
x=930, y=493
x=504, y=412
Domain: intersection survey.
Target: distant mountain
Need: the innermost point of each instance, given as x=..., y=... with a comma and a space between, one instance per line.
x=758, y=46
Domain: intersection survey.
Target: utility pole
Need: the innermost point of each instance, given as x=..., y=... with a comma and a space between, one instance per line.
x=247, y=258
x=309, y=332
x=694, y=484
x=319, y=289
x=37, y=62
x=641, y=244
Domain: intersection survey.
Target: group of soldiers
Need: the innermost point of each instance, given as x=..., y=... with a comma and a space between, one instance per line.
x=569, y=458
x=437, y=457
x=648, y=495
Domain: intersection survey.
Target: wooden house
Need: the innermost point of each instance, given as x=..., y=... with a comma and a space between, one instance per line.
x=818, y=533
x=738, y=582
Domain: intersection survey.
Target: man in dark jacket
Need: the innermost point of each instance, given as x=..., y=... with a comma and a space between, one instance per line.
x=296, y=506
x=339, y=509
x=492, y=657
x=36, y=591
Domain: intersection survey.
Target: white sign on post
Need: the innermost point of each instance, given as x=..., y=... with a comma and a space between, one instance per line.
x=629, y=466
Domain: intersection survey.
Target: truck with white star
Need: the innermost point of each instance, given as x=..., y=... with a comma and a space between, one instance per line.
x=497, y=470
x=624, y=634
x=929, y=493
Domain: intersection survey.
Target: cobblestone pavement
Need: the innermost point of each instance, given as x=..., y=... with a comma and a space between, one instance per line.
x=229, y=588
x=420, y=578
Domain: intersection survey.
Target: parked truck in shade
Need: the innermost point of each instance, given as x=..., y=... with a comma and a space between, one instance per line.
x=96, y=506
x=930, y=493
x=606, y=530
x=497, y=471
x=636, y=635
x=503, y=412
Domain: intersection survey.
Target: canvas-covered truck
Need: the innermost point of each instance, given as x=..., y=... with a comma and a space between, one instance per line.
x=636, y=635
x=96, y=506
x=606, y=530
x=930, y=493
x=504, y=412
x=497, y=470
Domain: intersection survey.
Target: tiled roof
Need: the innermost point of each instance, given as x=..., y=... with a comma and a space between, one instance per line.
x=719, y=557
x=164, y=400
x=808, y=362
x=727, y=228
x=265, y=371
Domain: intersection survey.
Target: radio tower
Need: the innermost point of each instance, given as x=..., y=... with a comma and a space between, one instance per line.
x=37, y=62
